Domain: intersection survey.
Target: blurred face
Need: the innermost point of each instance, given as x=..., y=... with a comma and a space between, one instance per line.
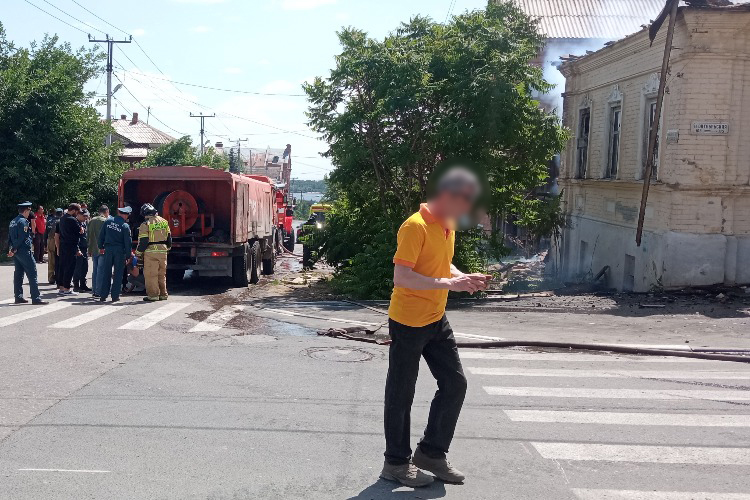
x=40, y=209
x=456, y=204
x=26, y=212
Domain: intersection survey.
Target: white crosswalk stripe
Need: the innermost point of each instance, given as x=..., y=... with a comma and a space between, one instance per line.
x=578, y=392
x=543, y=372
x=150, y=319
x=644, y=453
x=617, y=427
x=7, y=301
x=613, y=418
x=586, y=494
x=87, y=317
x=32, y=313
x=218, y=319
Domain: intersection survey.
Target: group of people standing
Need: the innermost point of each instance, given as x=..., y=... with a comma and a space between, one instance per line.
x=71, y=237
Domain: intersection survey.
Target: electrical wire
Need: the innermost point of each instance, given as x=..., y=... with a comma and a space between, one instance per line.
x=145, y=107
x=54, y=16
x=97, y=30
x=218, y=89
x=99, y=18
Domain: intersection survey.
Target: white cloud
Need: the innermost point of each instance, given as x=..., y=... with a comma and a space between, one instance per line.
x=138, y=32
x=201, y=29
x=304, y=4
x=342, y=16
x=264, y=62
x=233, y=70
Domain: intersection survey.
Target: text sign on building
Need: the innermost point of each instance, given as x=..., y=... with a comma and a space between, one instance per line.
x=710, y=128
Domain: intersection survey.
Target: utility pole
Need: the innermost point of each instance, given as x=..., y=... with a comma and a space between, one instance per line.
x=110, y=47
x=238, y=158
x=203, y=120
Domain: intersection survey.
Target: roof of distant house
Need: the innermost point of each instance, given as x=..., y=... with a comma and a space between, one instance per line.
x=591, y=19
x=135, y=131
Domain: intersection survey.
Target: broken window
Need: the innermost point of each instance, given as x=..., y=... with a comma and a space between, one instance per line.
x=582, y=156
x=650, y=119
x=613, y=158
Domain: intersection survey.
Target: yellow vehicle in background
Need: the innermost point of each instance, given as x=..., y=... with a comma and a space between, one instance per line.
x=308, y=232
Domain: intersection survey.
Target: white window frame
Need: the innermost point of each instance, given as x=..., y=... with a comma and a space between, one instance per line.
x=585, y=106
x=615, y=100
x=649, y=93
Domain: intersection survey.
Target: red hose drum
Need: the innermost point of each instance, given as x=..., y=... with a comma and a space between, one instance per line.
x=180, y=209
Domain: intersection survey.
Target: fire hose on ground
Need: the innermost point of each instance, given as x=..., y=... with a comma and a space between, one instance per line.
x=355, y=333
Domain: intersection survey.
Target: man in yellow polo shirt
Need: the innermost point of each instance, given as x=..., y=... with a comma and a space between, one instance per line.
x=422, y=277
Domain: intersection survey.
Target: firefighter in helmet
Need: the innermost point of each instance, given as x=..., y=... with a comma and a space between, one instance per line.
x=154, y=241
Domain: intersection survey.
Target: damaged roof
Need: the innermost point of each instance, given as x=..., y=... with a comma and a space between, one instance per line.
x=139, y=132
x=591, y=19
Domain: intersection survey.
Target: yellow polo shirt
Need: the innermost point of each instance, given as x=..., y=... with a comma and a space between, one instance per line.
x=426, y=246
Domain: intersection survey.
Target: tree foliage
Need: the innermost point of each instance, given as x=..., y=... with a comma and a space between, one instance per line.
x=392, y=109
x=51, y=138
x=182, y=153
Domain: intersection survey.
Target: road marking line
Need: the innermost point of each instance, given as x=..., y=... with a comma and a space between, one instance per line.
x=613, y=418
x=7, y=301
x=541, y=372
x=586, y=494
x=577, y=392
x=218, y=319
x=82, y=319
x=312, y=316
x=32, y=313
x=148, y=320
x=573, y=357
x=644, y=453
x=91, y=471
x=365, y=323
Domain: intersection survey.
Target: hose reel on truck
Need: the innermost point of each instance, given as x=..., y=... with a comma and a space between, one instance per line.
x=184, y=213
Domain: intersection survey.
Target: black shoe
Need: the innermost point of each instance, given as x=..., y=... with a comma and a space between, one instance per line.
x=95, y=296
x=39, y=302
x=21, y=301
x=116, y=300
x=84, y=288
x=51, y=282
x=102, y=299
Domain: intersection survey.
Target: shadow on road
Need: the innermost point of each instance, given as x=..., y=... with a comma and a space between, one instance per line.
x=388, y=489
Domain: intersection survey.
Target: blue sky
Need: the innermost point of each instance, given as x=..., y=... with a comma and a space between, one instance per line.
x=267, y=46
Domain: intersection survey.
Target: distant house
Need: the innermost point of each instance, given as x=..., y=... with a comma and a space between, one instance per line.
x=697, y=220
x=275, y=163
x=137, y=138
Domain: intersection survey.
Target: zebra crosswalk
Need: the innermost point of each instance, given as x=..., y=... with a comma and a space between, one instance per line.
x=596, y=418
x=68, y=314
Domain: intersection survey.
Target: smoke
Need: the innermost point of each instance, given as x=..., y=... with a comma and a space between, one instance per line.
x=555, y=49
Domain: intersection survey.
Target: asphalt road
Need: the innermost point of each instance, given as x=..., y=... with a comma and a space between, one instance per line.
x=208, y=396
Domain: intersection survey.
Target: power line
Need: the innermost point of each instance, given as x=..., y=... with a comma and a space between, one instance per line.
x=450, y=11
x=54, y=16
x=99, y=18
x=235, y=91
x=145, y=107
x=311, y=166
x=72, y=16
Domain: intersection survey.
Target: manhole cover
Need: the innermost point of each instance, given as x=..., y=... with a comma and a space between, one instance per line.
x=338, y=354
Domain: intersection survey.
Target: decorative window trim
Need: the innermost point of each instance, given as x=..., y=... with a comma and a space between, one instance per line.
x=614, y=100
x=586, y=103
x=649, y=91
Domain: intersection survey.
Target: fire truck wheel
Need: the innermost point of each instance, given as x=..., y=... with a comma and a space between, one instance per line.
x=240, y=268
x=254, y=261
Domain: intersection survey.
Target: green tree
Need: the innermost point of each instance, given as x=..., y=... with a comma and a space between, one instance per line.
x=392, y=109
x=182, y=152
x=51, y=138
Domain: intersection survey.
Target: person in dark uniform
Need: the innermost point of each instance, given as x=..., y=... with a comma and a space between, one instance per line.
x=49, y=236
x=82, y=260
x=70, y=233
x=19, y=247
x=116, y=245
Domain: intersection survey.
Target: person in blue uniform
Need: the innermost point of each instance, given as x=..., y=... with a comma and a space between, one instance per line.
x=115, y=245
x=19, y=247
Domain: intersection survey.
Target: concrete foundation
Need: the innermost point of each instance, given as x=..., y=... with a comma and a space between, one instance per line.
x=665, y=259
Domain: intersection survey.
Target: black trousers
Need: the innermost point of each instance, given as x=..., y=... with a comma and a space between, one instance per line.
x=67, y=266
x=81, y=270
x=408, y=344
x=39, y=247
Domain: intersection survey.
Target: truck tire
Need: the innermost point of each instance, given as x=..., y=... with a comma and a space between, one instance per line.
x=289, y=242
x=254, y=261
x=240, y=268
